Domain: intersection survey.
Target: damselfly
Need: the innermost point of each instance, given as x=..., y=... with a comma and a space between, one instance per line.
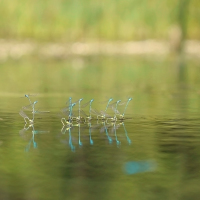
x=108, y=103
x=79, y=110
x=113, y=119
x=30, y=107
x=70, y=106
x=90, y=109
x=129, y=99
x=102, y=115
x=28, y=96
x=23, y=114
x=121, y=116
x=68, y=111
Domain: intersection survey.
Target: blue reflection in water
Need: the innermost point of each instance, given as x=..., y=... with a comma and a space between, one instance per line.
x=32, y=140
x=70, y=140
x=134, y=167
x=91, y=141
x=63, y=131
x=106, y=130
x=126, y=133
x=110, y=130
x=114, y=128
x=79, y=135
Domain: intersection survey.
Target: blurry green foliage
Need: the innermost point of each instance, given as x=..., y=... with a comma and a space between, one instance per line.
x=71, y=20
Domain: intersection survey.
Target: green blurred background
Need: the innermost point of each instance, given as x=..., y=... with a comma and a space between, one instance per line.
x=92, y=20
x=164, y=87
x=27, y=28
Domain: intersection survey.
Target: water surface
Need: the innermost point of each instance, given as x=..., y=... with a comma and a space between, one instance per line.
x=153, y=155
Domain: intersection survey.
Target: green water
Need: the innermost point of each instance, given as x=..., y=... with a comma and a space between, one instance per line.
x=153, y=155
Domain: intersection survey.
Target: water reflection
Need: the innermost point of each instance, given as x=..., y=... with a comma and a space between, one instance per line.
x=23, y=133
x=134, y=167
x=178, y=145
x=88, y=130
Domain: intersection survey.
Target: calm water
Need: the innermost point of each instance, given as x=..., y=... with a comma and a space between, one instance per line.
x=155, y=154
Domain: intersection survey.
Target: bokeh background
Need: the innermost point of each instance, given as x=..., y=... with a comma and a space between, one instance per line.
x=38, y=36
x=147, y=50
x=87, y=20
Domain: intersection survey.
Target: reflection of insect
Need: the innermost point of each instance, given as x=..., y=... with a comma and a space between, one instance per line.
x=114, y=129
x=68, y=128
x=32, y=140
x=105, y=128
x=128, y=139
x=91, y=141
